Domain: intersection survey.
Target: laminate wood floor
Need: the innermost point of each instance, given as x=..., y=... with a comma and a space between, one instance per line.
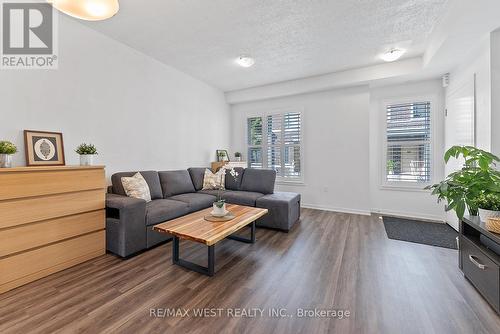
x=328, y=261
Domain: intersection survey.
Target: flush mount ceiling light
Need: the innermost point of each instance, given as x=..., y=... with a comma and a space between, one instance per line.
x=245, y=61
x=392, y=55
x=90, y=10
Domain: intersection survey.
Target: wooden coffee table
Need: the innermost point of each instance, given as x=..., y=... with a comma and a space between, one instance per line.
x=195, y=228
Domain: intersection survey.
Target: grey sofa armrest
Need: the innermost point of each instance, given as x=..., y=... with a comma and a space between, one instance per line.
x=125, y=224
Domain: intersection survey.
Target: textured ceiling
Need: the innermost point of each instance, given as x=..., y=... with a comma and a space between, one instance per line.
x=288, y=38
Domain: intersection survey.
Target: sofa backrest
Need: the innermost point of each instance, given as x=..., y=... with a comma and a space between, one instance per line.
x=197, y=175
x=151, y=177
x=175, y=182
x=258, y=180
x=231, y=183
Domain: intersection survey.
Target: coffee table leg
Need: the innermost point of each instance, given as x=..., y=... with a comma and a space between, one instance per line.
x=211, y=260
x=209, y=270
x=250, y=240
x=175, y=250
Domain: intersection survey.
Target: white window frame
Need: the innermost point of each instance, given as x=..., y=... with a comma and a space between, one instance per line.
x=407, y=185
x=264, y=146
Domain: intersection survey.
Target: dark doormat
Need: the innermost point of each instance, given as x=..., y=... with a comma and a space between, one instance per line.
x=420, y=232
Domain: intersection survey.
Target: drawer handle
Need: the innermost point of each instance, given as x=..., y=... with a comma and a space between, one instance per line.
x=472, y=259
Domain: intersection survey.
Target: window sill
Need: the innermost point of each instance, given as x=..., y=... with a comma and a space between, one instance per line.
x=290, y=183
x=406, y=187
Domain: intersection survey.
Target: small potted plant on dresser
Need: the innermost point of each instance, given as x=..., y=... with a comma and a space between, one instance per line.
x=488, y=205
x=7, y=150
x=237, y=156
x=87, y=154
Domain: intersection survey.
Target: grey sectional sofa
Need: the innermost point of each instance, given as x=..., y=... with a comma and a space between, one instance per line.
x=130, y=221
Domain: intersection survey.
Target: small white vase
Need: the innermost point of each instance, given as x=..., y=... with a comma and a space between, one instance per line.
x=237, y=159
x=219, y=212
x=5, y=160
x=87, y=159
x=485, y=214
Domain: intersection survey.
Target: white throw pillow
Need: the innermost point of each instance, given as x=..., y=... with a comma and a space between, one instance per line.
x=136, y=187
x=213, y=181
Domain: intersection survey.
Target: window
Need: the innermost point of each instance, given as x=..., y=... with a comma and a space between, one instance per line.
x=274, y=141
x=408, y=142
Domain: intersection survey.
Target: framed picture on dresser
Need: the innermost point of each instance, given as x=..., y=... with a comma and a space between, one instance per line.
x=44, y=148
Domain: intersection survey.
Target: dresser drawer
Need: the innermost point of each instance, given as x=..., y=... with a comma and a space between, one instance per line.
x=33, y=209
x=24, y=237
x=25, y=267
x=47, y=182
x=481, y=271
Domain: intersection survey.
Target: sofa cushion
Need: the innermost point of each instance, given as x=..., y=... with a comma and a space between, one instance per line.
x=214, y=181
x=284, y=210
x=136, y=187
x=258, y=180
x=231, y=183
x=197, y=174
x=247, y=198
x=161, y=210
x=195, y=201
x=176, y=182
x=210, y=192
x=151, y=177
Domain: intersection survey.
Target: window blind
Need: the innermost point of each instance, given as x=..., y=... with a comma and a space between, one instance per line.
x=408, y=141
x=255, y=134
x=276, y=144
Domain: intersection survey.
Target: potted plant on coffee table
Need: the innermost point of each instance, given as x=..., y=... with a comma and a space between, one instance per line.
x=7, y=150
x=461, y=189
x=219, y=206
x=87, y=153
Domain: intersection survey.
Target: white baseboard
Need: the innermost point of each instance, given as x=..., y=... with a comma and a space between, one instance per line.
x=333, y=209
x=411, y=215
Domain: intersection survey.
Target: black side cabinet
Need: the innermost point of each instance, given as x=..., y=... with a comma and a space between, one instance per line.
x=479, y=258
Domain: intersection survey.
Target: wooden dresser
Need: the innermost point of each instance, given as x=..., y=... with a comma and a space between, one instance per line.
x=51, y=218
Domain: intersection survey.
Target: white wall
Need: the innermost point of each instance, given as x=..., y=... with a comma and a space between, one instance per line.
x=343, y=148
x=495, y=89
x=335, y=131
x=140, y=113
x=459, y=95
x=405, y=202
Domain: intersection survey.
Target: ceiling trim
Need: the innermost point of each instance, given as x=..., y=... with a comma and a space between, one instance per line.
x=348, y=78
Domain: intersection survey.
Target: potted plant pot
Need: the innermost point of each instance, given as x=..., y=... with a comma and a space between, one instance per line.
x=87, y=159
x=219, y=209
x=5, y=160
x=7, y=150
x=484, y=214
x=87, y=154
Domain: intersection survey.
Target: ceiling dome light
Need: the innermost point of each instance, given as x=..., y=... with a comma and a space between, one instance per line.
x=245, y=61
x=90, y=10
x=392, y=55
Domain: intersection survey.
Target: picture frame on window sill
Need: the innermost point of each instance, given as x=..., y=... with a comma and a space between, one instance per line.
x=222, y=155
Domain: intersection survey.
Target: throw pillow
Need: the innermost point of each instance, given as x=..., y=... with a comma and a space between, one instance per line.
x=136, y=187
x=213, y=181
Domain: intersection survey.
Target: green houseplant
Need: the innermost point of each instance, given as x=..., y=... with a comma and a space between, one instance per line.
x=461, y=189
x=488, y=205
x=219, y=206
x=237, y=155
x=390, y=166
x=87, y=153
x=7, y=149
